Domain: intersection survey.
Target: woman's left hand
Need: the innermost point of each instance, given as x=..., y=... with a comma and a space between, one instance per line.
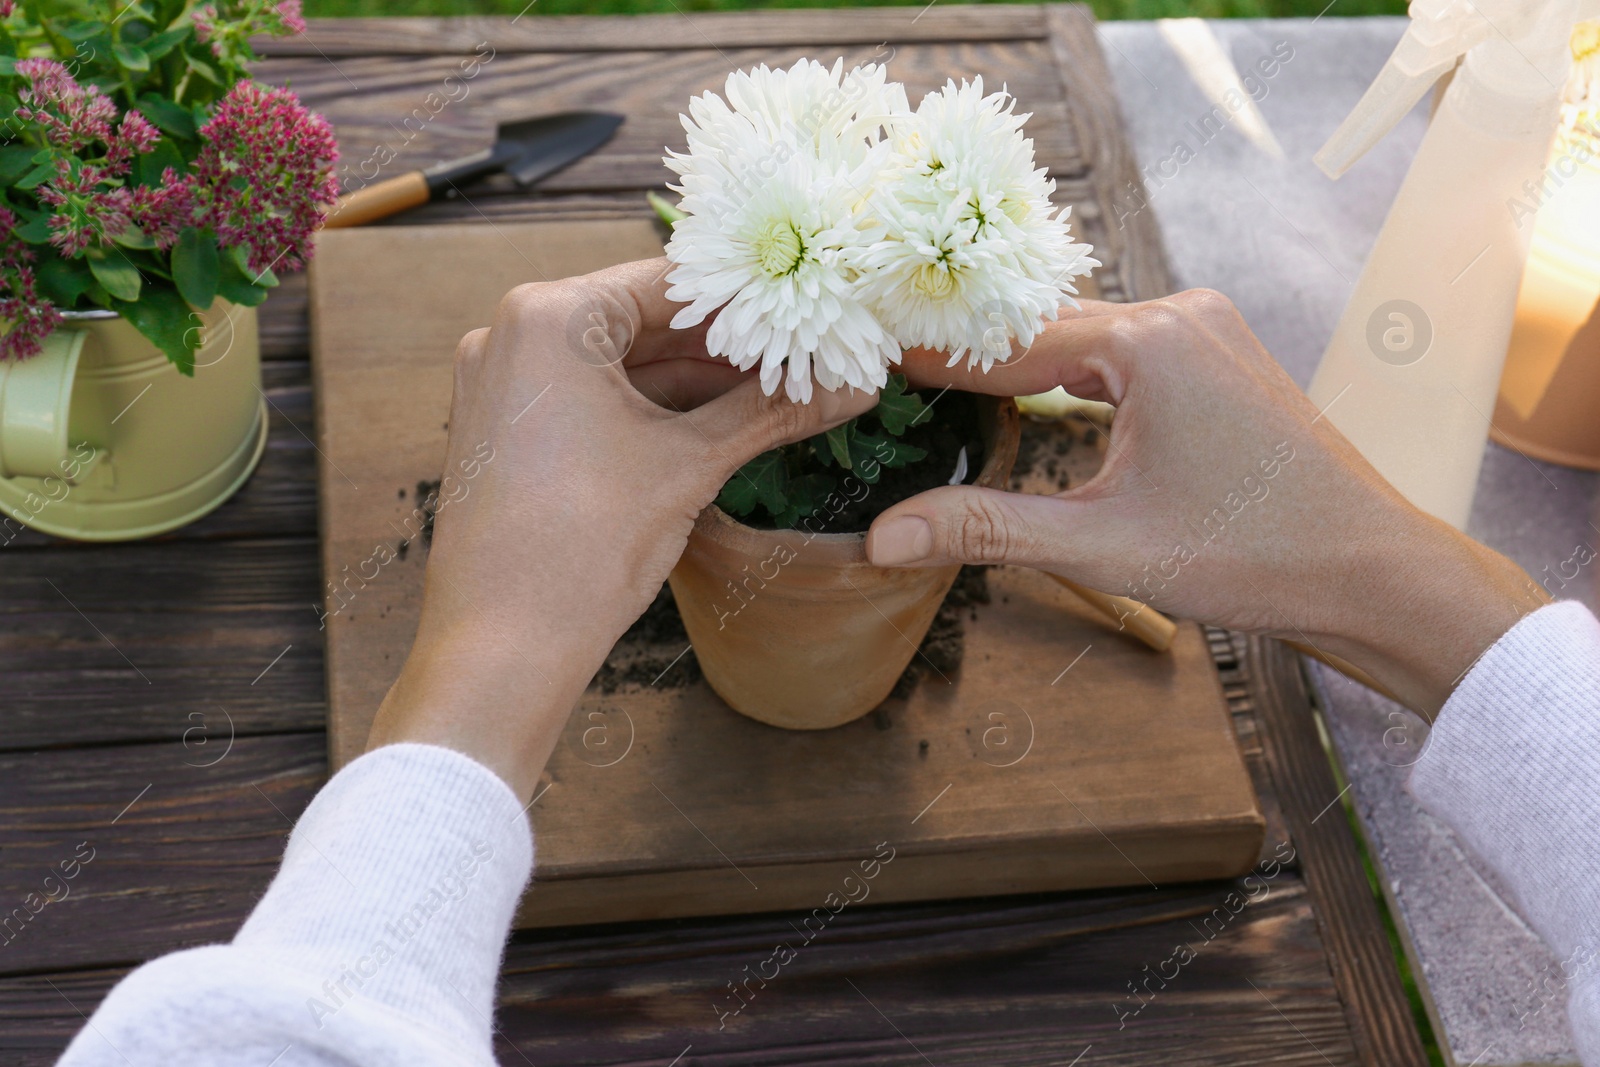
x=575, y=470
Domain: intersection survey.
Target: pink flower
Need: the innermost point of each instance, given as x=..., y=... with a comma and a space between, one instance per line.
x=231, y=38
x=6, y=8
x=85, y=214
x=290, y=17
x=205, y=23
x=73, y=115
x=161, y=213
x=265, y=166
x=25, y=317
x=134, y=137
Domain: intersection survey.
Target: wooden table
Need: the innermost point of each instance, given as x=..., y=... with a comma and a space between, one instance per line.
x=164, y=700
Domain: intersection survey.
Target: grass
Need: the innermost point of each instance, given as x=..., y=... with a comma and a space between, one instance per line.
x=1408, y=980
x=1103, y=9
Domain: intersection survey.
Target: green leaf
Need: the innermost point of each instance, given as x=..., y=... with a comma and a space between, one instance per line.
x=15, y=161
x=838, y=440
x=131, y=56
x=237, y=289
x=168, y=117
x=36, y=176
x=147, y=169
x=163, y=317
x=204, y=69
x=236, y=285
x=63, y=280
x=36, y=231
x=889, y=453
x=196, y=267
x=82, y=31
x=760, y=483
x=133, y=237
x=8, y=66
x=117, y=274
x=160, y=44
x=898, y=410
x=806, y=494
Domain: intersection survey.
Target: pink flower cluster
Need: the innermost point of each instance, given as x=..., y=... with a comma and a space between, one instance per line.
x=92, y=206
x=73, y=116
x=281, y=19
x=265, y=165
x=25, y=317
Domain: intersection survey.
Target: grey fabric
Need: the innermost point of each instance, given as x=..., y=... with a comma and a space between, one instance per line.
x=1287, y=244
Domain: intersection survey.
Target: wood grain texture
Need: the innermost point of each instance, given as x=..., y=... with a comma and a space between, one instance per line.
x=395, y=114
x=667, y=32
x=1362, y=960
x=123, y=643
x=181, y=849
x=1039, y=981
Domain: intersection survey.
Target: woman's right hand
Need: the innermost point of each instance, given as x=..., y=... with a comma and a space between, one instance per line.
x=1226, y=497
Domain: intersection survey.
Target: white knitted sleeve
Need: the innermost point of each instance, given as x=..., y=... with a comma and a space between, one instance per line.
x=1513, y=765
x=378, y=942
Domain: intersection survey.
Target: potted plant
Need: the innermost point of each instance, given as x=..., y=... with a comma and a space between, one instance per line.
x=830, y=227
x=150, y=193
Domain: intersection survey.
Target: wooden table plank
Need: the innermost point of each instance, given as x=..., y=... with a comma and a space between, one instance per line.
x=1036, y=981
x=666, y=32
x=180, y=851
x=397, y=106
x=1358, y=947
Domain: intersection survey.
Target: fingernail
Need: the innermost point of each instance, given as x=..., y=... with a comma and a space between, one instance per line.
x=906, y=539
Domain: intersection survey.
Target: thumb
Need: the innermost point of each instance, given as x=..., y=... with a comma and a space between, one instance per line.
x=969, y=524
x=744, y=422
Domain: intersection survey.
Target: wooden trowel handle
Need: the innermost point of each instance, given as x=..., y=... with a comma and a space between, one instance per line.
x=379, y=201
x=1144, y=622
x=1157, y=631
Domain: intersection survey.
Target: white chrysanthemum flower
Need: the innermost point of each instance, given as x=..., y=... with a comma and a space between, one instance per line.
x=780, y=261
x=974, y=256
x=772, y=184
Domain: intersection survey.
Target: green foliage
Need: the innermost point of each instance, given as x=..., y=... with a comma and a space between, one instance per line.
x=146, y=55
x=163, y=316
x=195, y=267
x=789, y=483
x=116, y=273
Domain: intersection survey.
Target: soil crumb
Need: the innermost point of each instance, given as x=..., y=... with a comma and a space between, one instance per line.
x=654, y=652
x=428, y=500
x=942, y=650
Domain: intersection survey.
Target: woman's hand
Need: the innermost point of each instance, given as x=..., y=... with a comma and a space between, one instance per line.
x=581, y=475
x=1226, y=497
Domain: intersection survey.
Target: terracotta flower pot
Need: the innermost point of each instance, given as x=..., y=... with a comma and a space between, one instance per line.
x=797, y=629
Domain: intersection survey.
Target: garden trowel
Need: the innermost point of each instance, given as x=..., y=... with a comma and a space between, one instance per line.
x=529, y=151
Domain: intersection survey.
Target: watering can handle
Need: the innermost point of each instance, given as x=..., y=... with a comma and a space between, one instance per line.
x=35, y=401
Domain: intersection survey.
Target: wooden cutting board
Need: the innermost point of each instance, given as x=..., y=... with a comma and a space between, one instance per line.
x=1060, y=755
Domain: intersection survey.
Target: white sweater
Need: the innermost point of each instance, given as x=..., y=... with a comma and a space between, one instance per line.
x=380, y=939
